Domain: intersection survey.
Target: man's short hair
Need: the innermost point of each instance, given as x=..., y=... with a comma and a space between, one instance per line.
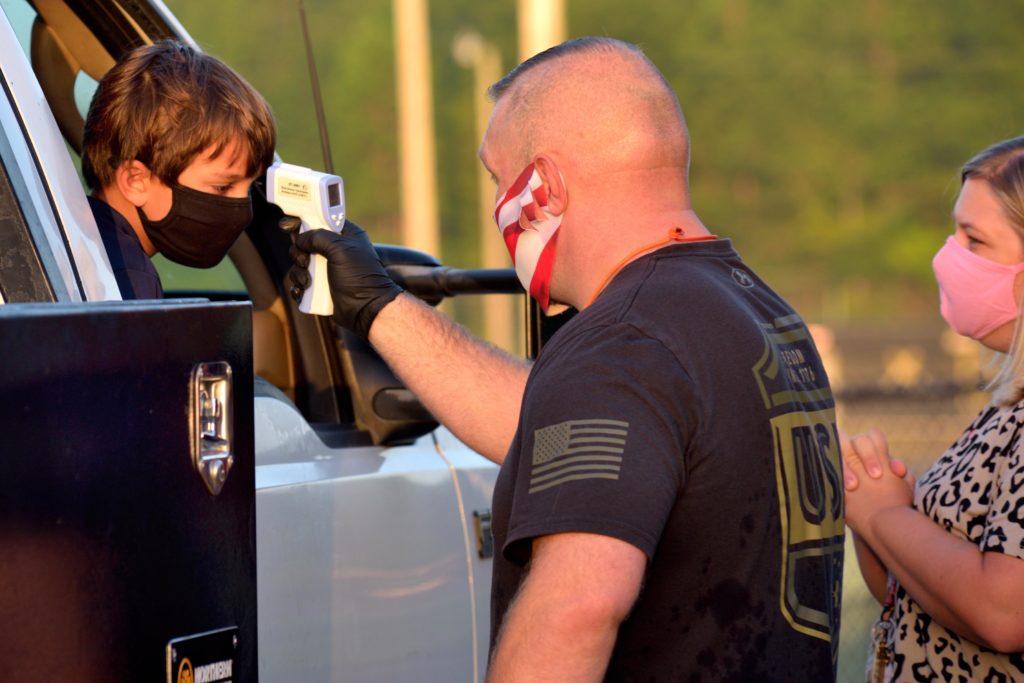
x=642, y=89
x=587, y=44
x=163, y=104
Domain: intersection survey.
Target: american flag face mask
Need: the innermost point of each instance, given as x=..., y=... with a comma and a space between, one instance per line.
x=532, y=248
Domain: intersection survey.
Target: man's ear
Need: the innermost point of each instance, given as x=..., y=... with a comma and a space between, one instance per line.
x=558, y=195
x=133, y=180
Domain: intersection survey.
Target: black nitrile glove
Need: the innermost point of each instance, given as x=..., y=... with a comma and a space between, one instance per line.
x=360, y=287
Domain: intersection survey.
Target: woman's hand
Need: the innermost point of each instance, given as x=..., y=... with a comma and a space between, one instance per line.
x=870, y=450
x=889, y=486
x=931, y=564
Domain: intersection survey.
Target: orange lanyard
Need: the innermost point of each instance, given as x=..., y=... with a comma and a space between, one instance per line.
x=675, y=234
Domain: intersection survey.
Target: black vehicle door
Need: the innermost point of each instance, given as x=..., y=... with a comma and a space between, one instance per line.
x=115, y=553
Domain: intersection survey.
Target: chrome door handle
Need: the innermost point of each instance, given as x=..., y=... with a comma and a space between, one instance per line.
x=211, y=423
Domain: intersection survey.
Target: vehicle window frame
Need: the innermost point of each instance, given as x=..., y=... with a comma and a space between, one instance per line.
x=22, y=185
x=62, y=228
x=22, y=279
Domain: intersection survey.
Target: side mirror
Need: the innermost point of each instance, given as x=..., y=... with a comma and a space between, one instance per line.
x=421, y=274
x=383, y=406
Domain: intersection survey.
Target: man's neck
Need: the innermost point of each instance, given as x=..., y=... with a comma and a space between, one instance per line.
x=613, y=249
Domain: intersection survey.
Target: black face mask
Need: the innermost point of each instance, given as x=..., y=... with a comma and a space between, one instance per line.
x=200, y=227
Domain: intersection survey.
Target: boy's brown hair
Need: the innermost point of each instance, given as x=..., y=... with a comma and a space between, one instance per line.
x=165, y=103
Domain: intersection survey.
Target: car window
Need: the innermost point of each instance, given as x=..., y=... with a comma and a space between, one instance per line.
x=20, y=15
x=222, y=278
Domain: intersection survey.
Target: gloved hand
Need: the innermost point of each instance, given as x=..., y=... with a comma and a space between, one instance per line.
x=360, y=287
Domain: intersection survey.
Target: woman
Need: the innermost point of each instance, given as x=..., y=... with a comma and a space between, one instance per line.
x=944, y=556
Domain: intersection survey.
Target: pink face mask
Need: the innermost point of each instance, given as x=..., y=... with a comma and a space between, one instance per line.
x=532, y=249
x=975, y=294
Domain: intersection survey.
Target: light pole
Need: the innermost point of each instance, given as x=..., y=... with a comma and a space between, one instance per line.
x=541, y=25
x=470, y=51
x=416, y=152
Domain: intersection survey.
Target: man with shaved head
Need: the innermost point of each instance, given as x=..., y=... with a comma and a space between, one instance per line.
x=669, y=503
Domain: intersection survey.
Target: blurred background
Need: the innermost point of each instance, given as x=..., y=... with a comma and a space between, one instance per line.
x=827, y=139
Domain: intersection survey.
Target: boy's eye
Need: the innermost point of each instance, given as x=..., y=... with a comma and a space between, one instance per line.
x=222, y=189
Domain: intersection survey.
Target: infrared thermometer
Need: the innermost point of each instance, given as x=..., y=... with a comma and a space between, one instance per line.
x=318, y=199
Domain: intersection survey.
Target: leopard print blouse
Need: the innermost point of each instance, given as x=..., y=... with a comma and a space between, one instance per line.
x=974, y=491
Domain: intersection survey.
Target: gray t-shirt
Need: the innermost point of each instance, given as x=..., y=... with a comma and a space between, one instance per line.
x=686, y=412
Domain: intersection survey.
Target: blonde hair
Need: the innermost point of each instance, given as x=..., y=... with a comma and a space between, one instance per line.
x=1002, y=167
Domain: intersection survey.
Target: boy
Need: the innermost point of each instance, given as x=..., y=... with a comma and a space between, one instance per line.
x=173, y=140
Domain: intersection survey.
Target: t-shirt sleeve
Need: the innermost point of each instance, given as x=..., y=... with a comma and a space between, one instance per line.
x=1004, y=528
x=604, y=435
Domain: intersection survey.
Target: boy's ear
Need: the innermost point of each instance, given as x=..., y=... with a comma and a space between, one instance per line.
x=558, y=196
x=133, y=180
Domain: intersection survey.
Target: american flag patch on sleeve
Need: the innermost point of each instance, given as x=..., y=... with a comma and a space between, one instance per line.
x=577, y=449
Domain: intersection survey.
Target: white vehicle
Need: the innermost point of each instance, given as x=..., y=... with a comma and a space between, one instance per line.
x=197, y=489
